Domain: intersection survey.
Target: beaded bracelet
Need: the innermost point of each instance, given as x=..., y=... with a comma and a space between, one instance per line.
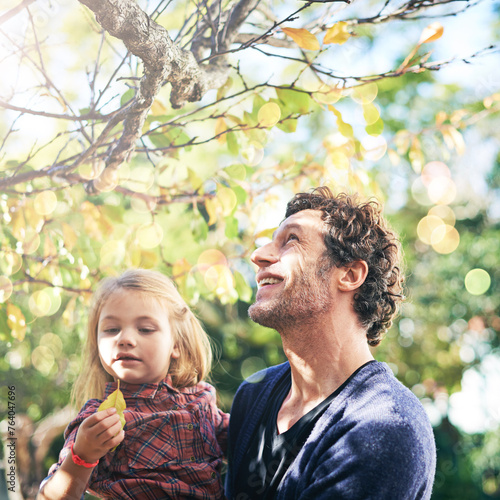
x=79, y=461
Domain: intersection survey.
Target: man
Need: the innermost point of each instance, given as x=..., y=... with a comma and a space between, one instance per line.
x=331, y=423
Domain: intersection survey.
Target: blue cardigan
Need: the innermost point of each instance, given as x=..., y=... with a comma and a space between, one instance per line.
x=373, y=442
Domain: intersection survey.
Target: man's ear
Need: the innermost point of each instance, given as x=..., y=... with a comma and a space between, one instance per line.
x=354, y=276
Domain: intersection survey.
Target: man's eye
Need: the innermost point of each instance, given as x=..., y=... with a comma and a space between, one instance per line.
x=292, y=237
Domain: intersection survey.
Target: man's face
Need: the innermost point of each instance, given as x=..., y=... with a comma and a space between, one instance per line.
x=294, y=274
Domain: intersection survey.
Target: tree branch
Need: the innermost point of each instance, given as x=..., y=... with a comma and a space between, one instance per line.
x=15, y=10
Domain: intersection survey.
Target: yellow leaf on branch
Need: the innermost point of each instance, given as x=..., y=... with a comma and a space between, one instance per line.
x=431, y=33
x=220, y=128
x=337, y=34
x=453, y=139
x=303, y=38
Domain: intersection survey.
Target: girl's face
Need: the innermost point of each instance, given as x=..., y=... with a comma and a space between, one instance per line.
x=134, y=338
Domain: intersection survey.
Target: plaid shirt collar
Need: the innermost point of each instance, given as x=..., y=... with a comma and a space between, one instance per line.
x=148, y=391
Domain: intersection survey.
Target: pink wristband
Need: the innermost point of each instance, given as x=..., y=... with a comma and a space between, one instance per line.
x=78, y=461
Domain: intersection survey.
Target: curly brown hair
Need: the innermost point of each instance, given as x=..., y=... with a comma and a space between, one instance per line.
x=357, y=231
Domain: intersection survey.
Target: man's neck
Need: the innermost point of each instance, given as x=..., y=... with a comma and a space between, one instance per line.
x=321, y=360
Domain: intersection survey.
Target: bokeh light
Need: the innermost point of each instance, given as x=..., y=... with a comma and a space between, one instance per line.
x=219, y=279
x=10, y=262
x=210, y=258
x=442, y=190
x=251, y=365
x=107, y=181
x=142, y=205
x=150, y=235
x=477, y=281
x=434, y=170
x=43, y=359
x=112, y=253
x=445, y=239
x=45, y=203
x=6, y=288
x=445, y=213
x=375, y=147
x=40, y=303
x=427, y=226
x=419, y=192
x=140, y=179
x=365, y=94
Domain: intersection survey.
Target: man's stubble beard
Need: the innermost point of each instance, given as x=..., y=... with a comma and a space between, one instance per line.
x=308, y=297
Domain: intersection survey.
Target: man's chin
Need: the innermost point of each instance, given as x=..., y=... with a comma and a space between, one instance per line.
x=270, y=316
x=261, y=315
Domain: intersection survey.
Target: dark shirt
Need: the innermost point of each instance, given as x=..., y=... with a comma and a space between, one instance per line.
x=270, y=454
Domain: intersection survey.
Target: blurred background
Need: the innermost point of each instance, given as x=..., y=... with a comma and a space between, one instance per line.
x=397, y=100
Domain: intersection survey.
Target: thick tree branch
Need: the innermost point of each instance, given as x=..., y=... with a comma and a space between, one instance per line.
x=163, y=61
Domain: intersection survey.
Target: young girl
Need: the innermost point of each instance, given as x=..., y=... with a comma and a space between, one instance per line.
x=143, y=334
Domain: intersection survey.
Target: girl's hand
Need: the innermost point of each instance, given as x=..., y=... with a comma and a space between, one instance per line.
x=98, y=434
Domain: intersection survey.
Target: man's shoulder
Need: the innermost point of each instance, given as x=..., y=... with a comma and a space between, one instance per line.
x=377, y=387
x=375, y=400
x=265, y=377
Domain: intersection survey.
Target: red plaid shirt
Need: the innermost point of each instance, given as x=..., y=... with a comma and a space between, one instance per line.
x=173, y=446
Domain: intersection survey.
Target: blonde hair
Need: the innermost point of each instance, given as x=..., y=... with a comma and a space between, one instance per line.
x=195, y=353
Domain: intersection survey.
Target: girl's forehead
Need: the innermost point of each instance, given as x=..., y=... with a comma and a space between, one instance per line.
x=140, y=296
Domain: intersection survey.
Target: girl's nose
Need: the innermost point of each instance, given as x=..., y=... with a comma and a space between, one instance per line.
x=126, y=337
x=265, y=255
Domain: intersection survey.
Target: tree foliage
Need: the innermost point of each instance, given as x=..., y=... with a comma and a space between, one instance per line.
x=168, y=134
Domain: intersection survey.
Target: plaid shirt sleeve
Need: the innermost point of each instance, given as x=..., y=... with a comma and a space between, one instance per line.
x=173, y=447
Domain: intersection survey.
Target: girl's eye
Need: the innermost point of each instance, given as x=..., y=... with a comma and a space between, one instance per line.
x=111, y=331
x=147, y=330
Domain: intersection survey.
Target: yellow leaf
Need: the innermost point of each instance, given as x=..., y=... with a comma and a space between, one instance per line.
x=441, y=117
x=393, y=157
x=227, y=199
x=303, y=38
x=269, y=114
x=158, y=108
x=180, y=268
x=402, y=141
x=416, y=155
x=431, y=33
x=49, y=248
x=337, y=34
x=69, y=235
x=18, y=225
x=453, y=138
x=68, y=315
x=211, y=209
x=220, y=128
x=115, y=400
x=16, y=322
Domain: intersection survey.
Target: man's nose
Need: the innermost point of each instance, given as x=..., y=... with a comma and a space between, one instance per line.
x=265, y=255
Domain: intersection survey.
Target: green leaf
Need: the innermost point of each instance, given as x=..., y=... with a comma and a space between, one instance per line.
x=375, y=128
x=127, y=96
x=241, y=195
x=232, y=143
x=231, y=227
x=294, y=101
x=236, y=172
x=244, y=290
